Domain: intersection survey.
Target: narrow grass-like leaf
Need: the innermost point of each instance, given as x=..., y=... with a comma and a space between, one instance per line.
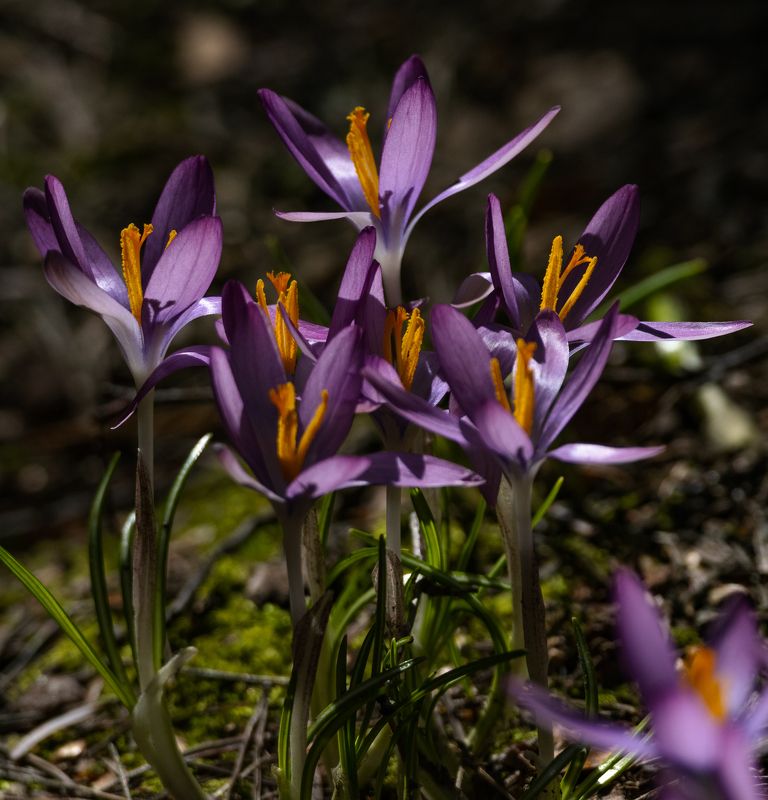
x=99, y=581
x=335, y=715
x=550, y=772
x=63, y=620
x=347, y=753
x=471, y=540
x=169, y=511
x=433, y=551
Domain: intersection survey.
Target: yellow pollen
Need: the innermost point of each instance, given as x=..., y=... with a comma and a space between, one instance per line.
x=700, y=674
x=555, y=277
x=130, y=252
x=362, y=157
x=171, y=236
x=290, y=453
x=498, y=385
x=524, y=388
x=288, y=297
x=403, y=350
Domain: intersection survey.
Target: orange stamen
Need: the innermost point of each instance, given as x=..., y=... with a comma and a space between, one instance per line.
x=361, y=152
x=498, y=385
x=130, y=252
x=288, y=298
x=555, y=277
x=701, y=675
x=403, y=350
x=290, y=453
x=524, y=385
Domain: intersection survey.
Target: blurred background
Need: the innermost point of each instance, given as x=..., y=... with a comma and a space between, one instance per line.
x=109, y=96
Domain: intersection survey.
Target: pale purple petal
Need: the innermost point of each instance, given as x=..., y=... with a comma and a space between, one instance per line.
x=609, y=236
x=405, y=77
x=302, y=145
x=104, y=273
x=328, y=475
x=39, y=221
x=738, y=772
x=232, y=465
x=463, y=356
x=195, y=356
x=64, y=225
x=204, y=307
x=501, y=157
x=737, y=644
x=184, y=272
x=407, y=154
x=188, y=194
x=670, y=331
x=625, y=324
x=410, y=470
x=581, y=453
x=78, y=288
x=598, y=733
x=501, y=343
x=647, y=649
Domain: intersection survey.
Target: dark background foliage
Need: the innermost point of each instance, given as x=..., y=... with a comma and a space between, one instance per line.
x=109, y=96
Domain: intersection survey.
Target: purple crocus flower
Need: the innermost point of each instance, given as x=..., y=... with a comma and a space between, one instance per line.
x=289, y=435
x=383, y=196
x=574, y=288
x=155, y=294
x=708, y=721
x=516, y=433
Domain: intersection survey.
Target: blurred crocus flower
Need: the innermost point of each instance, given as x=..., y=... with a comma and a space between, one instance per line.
x=154, y=293
x=708, y=719
x=514, y=430
x=384, y=196
x=574, y=287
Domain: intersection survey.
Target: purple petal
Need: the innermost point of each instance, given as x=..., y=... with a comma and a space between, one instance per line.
x=501, y=157
x=104, y=273
x=501, y=433
x=410, y=470
x=598, y=733
x=235, y=469
x=408, y=73
x=328, y=475
x=625, y=324
x=739, y=776
x=237, y=424
x=736, y=641
x=204, y=307
x=184, y=272
x=360, y=219
x=510, y=289
x=64, y=225
x=187, y=195
x=407, y=154
x=473, y=289
x=39, y=220
x=599, y=454
x=609, y=236
x=79, y=289
x=668, y=331
x=550, y=363
x=354, y=282
x=464, y=358
x=415, y=409
x=338, y=370
x=195, y=356
x=302, y=145
x=647, y=649
x=580, y=384
x=686, y=734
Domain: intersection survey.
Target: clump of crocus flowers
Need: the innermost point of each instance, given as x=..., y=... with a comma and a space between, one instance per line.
x=501, y=373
